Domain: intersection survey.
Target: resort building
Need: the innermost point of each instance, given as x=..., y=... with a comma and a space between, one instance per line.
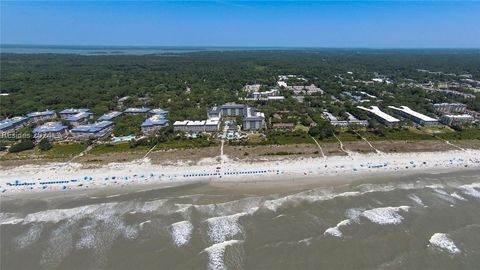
x=449, y=107
x=253, y=120
x=50, y=131
x=382, y=117
x=416, y=117
x=352, y=120
x=79, y=118
x=41, y=116
x=153, y=124
x=212, y=125
x=158, y=111
x=134, y=111
x=233, y=109
x=122, y=100
x=251, y=88
x=214, y=112
x=452, y=120
x=13, y=124
x=180, y=126
x=196, y=126
x=92, y=131
x=334, y=120
x=276, y=98
x=71, y=112
x=110, y=116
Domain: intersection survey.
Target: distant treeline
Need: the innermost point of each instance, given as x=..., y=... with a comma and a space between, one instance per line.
x=55, y=81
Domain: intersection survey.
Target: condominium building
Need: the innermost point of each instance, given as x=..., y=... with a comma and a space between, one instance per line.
x=452, y=120
x=110, y=116
x=253, y=120
x=71, y=112
x=449, y=107
x=50, y=131
x=79, y=118
x=381, y=116
x=416, y=117
x=92, y=131
x=13, y=124
x=41, y=116
x=154, y=124
x=134, y=111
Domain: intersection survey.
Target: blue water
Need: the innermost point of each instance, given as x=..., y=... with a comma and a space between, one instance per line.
x=118, y=50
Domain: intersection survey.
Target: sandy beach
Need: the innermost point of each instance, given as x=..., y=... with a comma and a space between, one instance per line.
x=65, y=177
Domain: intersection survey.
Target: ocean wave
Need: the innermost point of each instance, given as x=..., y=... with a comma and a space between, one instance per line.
x=335, y=231
x=385, y=215
x=443, y=242
x=32, y=235
x=471, y=190
x=416, y=199
x=457, y=196
x=9, y=218
x=181, y=232
x=216, y=253
x=223, y=227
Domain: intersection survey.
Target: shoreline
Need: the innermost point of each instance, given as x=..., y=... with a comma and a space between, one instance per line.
x=61, y=178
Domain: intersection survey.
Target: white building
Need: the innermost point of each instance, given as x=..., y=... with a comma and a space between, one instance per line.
x=209, y=125
x=180, y=125
x=381, y=116
x=253, y=120
x=414, y=116
x=452, y=120
x=450, y=107
x=212, y=125
x=196, y=126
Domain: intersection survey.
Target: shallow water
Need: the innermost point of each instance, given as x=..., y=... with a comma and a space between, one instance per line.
x=414, y=222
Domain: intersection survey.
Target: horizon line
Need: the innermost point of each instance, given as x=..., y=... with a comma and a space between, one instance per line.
x=238, y=46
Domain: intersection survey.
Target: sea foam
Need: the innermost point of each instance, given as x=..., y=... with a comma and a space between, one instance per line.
x=223, y=227
x=335, y=231
x=385, y=215
x=216, y=253
x=181, y=232
x=443, y=242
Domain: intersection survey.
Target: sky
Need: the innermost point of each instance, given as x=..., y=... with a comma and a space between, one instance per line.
x=358, y=24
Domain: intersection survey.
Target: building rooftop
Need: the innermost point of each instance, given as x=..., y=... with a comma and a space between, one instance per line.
x=158, y=111
x=156, y=120
x=110, y=115
x=92, y=128
x=458, y=116
x=49, y=127
x=212, y=122
x=78, y=116
x=196, y=123
x=413, y=113
x=9, y=122
x=232, y=105
x=180, y=123
x=375, y=110
x=44, y=113
x=137, y=110
x=74, y=111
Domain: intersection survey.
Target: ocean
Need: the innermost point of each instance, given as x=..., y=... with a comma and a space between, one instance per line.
x=123, y=50
x=425, y=221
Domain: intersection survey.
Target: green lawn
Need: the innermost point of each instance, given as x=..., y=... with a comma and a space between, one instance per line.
x=57, y=151
x=116, y=148
x=289, y=137
x=184, y=143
